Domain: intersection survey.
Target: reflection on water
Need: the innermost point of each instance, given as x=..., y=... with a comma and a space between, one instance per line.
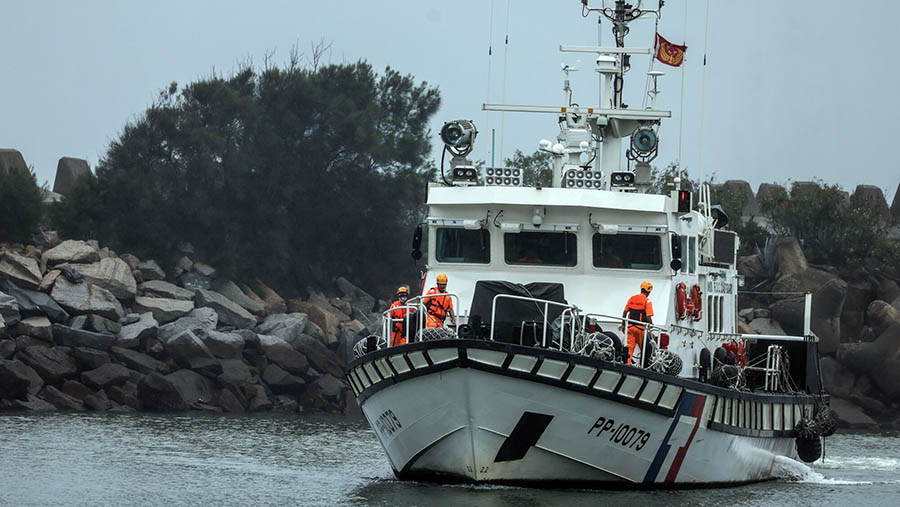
x=200, y=459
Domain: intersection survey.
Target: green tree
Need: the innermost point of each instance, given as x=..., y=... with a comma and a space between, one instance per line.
x=20, y=204
x=831, y=228
x=537, y=168
x=293, y=174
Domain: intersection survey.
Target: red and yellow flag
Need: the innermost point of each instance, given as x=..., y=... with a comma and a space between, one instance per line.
x=668, y=53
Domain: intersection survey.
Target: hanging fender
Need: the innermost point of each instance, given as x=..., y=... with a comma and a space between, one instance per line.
x=696, y=302
x=739, y=349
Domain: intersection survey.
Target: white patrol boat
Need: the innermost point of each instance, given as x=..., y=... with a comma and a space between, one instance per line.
x=534, y=386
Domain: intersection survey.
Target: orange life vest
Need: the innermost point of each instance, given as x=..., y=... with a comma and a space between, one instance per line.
x=638, y=308
x=398, y=323
x=437, y=307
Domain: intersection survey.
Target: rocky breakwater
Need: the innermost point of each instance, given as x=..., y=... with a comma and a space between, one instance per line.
x=855, y=314
x=82, y=328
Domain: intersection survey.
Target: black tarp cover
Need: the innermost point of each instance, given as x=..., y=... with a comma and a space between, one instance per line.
x=512, y=312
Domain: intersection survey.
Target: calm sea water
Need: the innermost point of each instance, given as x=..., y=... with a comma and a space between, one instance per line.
x=173, y=460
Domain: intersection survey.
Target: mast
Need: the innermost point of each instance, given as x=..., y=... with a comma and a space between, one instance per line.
x=584, y=127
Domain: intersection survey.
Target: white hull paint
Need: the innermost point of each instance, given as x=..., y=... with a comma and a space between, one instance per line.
x=469, y=425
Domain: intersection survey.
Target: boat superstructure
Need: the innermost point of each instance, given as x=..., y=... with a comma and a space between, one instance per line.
x=534, y=386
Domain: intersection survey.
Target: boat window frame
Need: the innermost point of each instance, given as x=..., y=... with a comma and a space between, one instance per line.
x=574, y=249
x=662, y=254
x=483, y=230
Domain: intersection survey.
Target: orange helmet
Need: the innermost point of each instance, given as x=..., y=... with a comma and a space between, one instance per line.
x=647, y=286
x=402, y=290
x=442, y=278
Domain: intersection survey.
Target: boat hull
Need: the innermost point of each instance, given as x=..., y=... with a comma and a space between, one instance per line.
x=465, y=420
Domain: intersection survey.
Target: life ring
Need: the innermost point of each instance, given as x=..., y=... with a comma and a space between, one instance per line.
x=696, y=303
x=683, y=305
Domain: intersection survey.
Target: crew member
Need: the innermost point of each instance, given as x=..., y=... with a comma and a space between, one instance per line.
x=438, y=305
x=639, y=309
x=398, y=317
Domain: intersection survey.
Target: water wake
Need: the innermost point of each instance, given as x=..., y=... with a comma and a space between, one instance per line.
x=789, y=470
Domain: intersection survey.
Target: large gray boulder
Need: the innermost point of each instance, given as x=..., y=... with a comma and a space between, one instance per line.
x=61, y=400
x=52, y=364
x=79, y=298
x=360, y=300
x=70, y=251
x=324, y=394
x=125, y=394
x=164, y=310
x=32, y=302
x=231, y=291
x=159, y=393
x=68, y=171
x=895, y=206
x=193, y=387
x=163, y=289
x=22, y=270
x=17, y=379
x=198, y=320
x=887, y=290
x=98, y=401
x=113, y=274
x=236, y=375
x=766, y=326
x=130, y=336
x=187, y=350
x=273, y=302
x=872, y=198
x=853, y=314
x=88, y=358
x=37, y=327
x=790, y=256
x=886, y=375
x=11, y=159
x=825, y=314
x=224, y=345
x=7, y=348
x=70, y=337
x=259, y=399
x=282, y=382
x=281, y=353
x=107, y=375
x=9, y=310
x=288, y=327
x=194, y=281
x=100, y=324
x=808, y=280
x=139, y=361
x=319, y=356
x=881, y=316
x=150, y=270
x=852, y=416
x=32, y=404
x=836, y=379
x=230, y=313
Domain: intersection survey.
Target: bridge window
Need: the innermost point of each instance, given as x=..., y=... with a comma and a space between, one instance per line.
x=463, y=245
x=627, y=251
x=544, y=248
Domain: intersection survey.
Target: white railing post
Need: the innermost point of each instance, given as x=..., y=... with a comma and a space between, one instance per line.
x=807, y=314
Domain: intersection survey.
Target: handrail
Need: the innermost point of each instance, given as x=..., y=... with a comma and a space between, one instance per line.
x=546, y=303
x=650, y=328
x=413, y=305
x=421, y=315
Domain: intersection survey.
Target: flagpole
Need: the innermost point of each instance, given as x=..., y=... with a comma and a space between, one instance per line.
x=703, y=91
x=681, y=106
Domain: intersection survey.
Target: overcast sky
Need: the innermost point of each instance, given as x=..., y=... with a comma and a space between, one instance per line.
x=794, y=90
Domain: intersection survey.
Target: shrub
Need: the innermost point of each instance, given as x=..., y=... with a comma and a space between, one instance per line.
x=20, y=205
